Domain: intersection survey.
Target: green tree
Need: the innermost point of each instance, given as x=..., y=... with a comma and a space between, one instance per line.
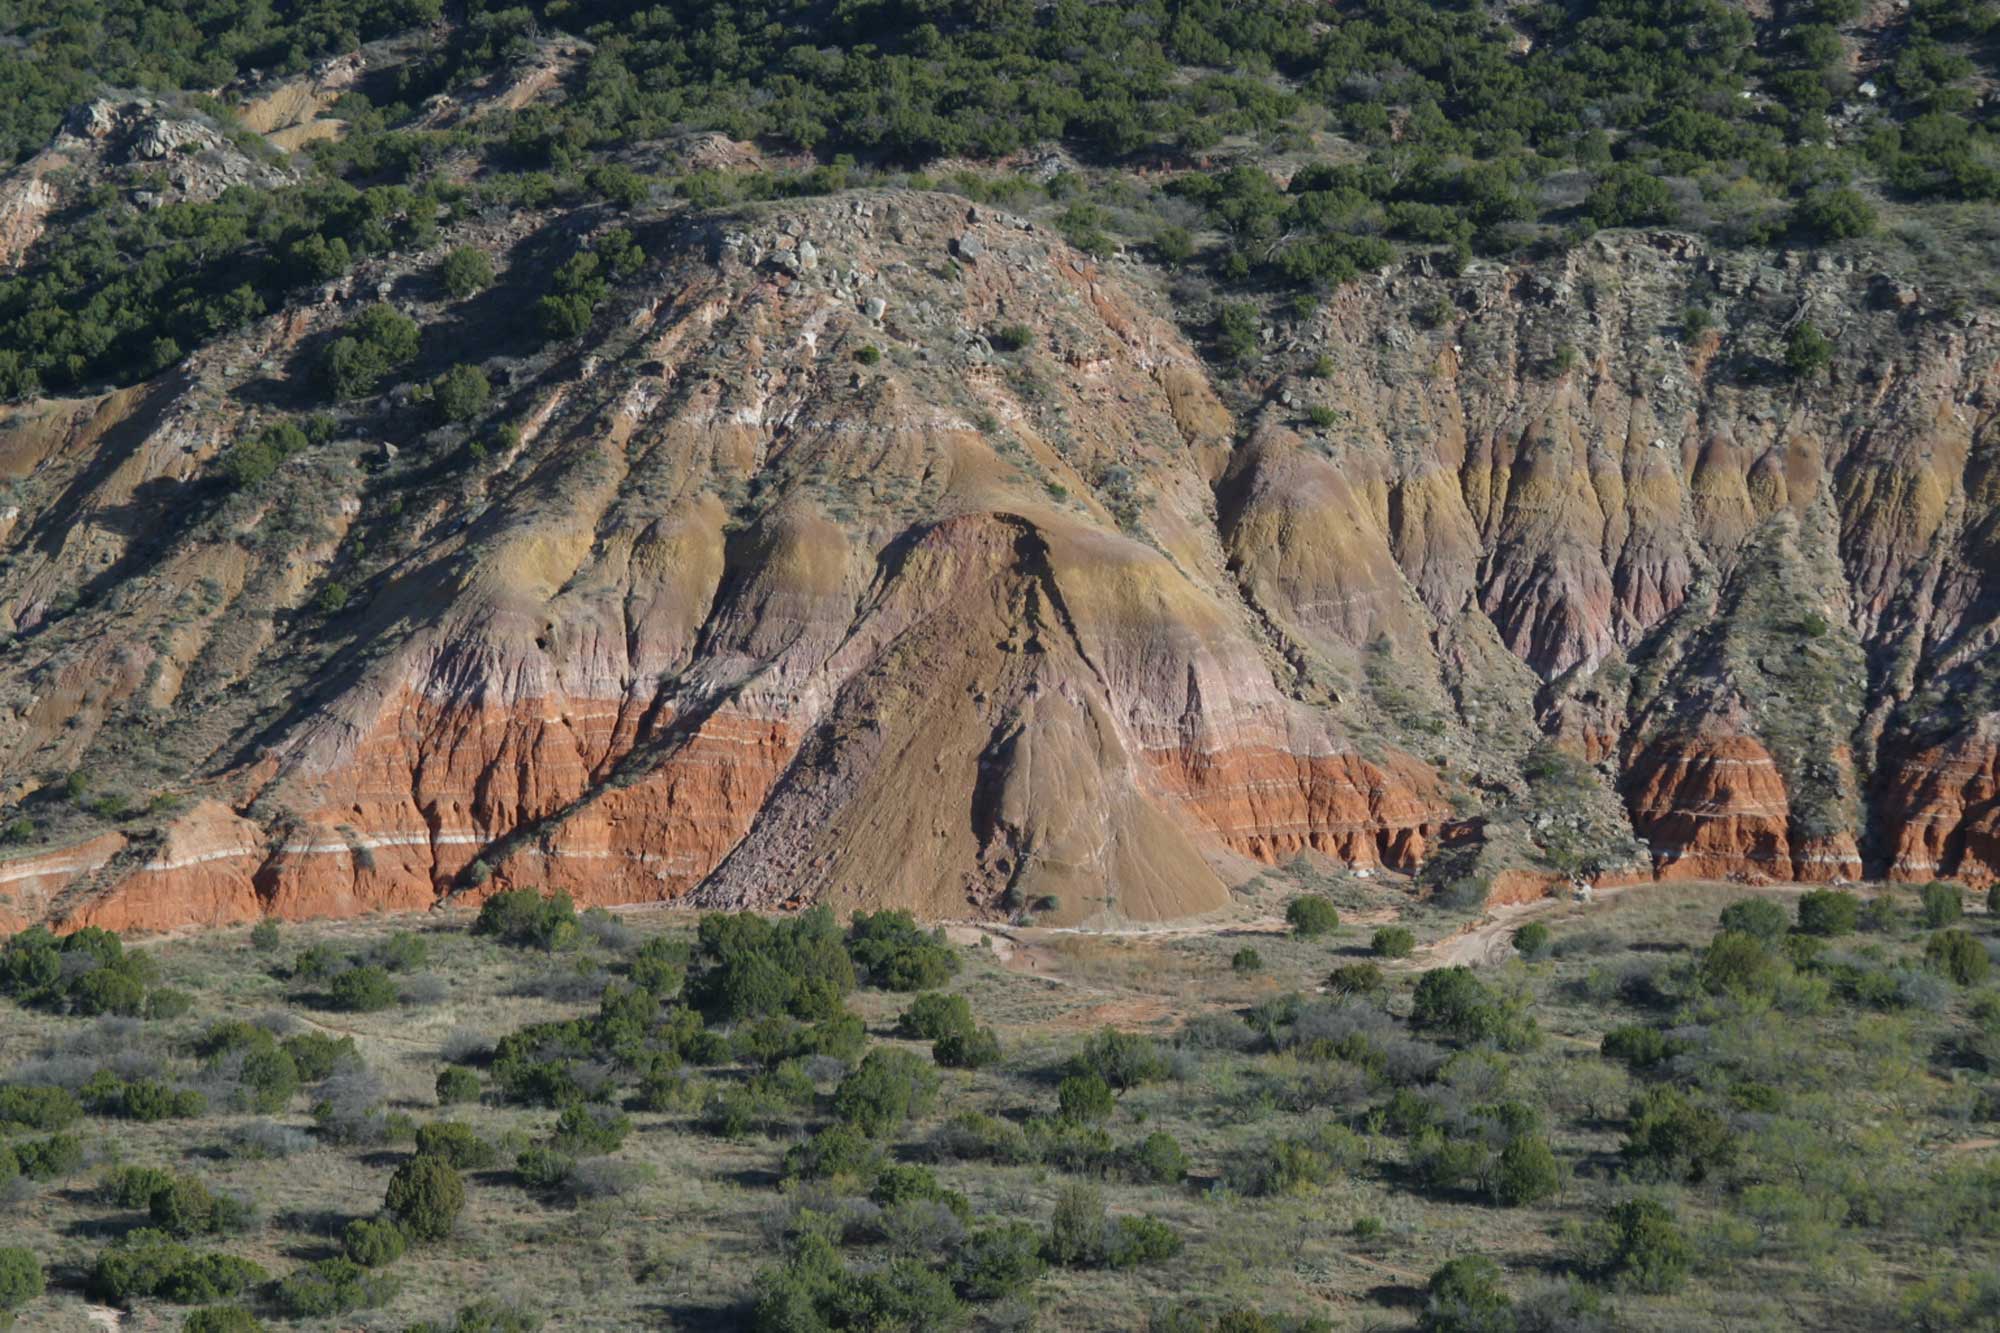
x=1085, y=1098
x=1465, y=1296
x=425, y=1196
x=465, y=272
x=1311, y=916
x=1828, y=912
x=1627, y=196
x=1393, y=942
x=1759, y=918
x=1807, y=352
x=1648, y=1250
x=460, y=394
x=1833, y=213
x=1959, y=956
x=1943, y=905
x=21, y=1281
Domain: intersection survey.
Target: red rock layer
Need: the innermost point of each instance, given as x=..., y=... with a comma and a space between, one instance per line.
x=1714, y=806
x=1941, y=810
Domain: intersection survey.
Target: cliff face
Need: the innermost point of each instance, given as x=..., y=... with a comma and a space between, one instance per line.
x=809, y=582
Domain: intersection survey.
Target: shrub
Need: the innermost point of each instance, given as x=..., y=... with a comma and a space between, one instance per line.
x=836, y=1151
x=30, y=1107
x=52, y=1158
x=934, y=1015
x=1465, y=1296
x=457, y=1145
x=373, y=1242
x=896, y=954
x=1131, y=1241
x=1157, y=1158
x=363, y=990
x=1122, y=1059
x=523, y=917
x=1532, y=940
x=1527, y=1172
x=1454, y=1001
x=184, y=1207
x=998, y=1261
x=1833, y=213
x=1246, y=959
x=270, y=1079
x=457, y=1084
x=1828, y=912
x=1807, y=354
x=1738, y=965
x=378, y=342
x=1311, y=916
x=465, y=272
x=886, y=1089
x=1943, y=905
x=460, y=394
x=868, y=354
x=544, y=1168
x=1759, y=918
x=1959, y=956
x=1356, y=979
x=149, y=1263
x=1084, y=1098
x=331, y=1287
x=1648, y=1251
x=1630, y=196
x=21, y=1280
x=1672, y=1138
x=1076, y=1227
x=316, y=1055
x=425, y=1196
x=587, y=1131
x=1012, y=338
x=1393, y=942
x=967, y=1050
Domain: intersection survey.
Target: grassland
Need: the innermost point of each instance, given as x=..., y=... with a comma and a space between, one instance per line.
x=1856, y=1188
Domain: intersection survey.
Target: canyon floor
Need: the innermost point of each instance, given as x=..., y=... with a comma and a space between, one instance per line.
x=1852, y=1196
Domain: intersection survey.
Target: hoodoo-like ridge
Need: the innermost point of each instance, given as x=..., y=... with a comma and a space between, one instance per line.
x=883, y=549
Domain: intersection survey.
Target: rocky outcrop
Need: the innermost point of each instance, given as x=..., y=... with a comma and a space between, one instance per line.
x=805, y=582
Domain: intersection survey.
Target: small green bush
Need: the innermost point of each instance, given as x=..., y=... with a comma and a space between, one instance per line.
x=457, y=1145
x=523, y=917
x=1393, y=942
x=1828, y=912
x=1246, y=959
x=425, y=1196
x=1648, y=1251
x=331, y=1287
x=1943, y=905
x=1958, y=955
x=1465, y=1296
x=21, y=1280
x=1084, y=1099
x=887, y=1088
x=363, y=990
x=465, y=272
x=1532, y=940
x=373, y=1242
x=1311, y=916
x=934, y=1015
x=1759, y=918
x=456, y=1085
x=967, y=1050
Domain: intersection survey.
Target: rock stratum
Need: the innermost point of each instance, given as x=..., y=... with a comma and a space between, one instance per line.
x=881, y=549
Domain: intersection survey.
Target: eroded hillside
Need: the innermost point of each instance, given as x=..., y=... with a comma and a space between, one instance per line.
x=884, y=548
